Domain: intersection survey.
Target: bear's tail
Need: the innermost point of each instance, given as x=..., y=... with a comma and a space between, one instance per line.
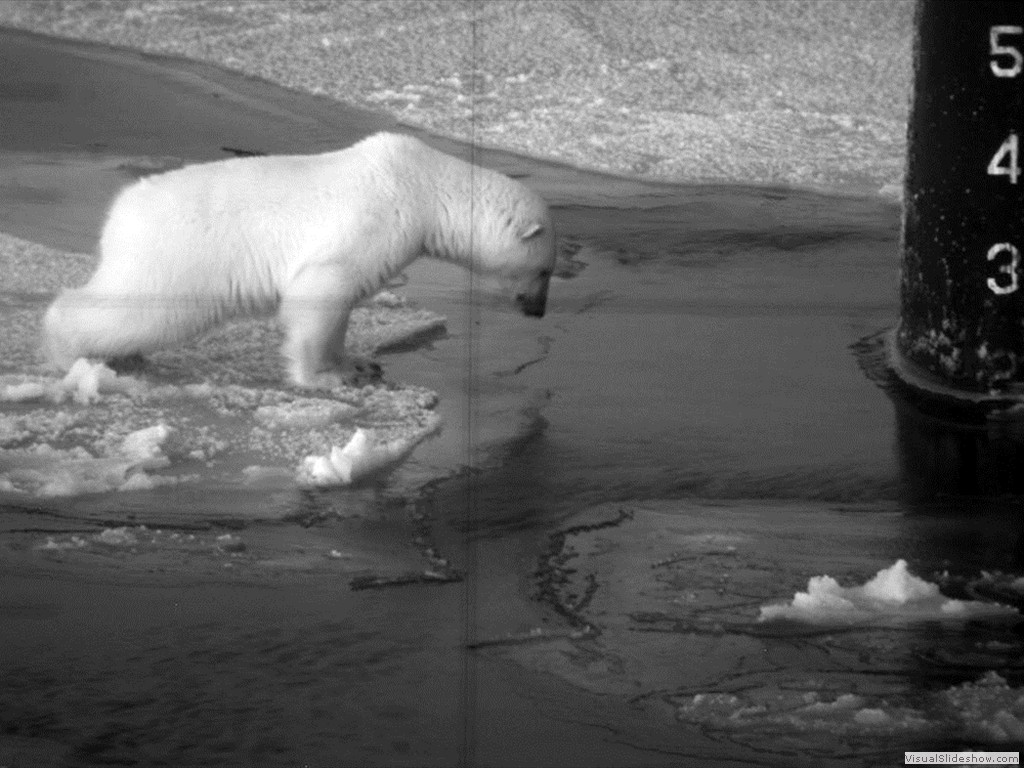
x=59, y=343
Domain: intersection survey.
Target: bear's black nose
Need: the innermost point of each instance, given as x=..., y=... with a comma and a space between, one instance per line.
x=532, y=306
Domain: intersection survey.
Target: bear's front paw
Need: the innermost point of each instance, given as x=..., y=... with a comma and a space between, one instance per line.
x=354, y=372
x=365, y=370
x=127, y=364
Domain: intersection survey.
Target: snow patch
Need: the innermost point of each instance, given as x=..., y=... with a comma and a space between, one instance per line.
x=305, y=413
x=893, y=593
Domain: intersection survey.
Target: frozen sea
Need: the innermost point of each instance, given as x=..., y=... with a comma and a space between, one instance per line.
x=572, y=571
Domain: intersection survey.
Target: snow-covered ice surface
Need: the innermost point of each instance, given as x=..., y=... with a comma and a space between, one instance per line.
x=201, y=412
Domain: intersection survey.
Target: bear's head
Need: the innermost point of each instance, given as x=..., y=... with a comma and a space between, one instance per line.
x=494, y=225
x=518, y=248
x=530, y=286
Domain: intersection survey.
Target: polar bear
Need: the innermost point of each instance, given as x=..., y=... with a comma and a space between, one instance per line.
x=307, y=236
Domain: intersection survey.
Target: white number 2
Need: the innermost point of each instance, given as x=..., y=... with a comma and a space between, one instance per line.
x=997, y=49
x=1005, y=161
x=1010, y=268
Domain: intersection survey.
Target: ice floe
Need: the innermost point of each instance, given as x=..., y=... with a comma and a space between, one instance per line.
x=987, y=711
x=893, y=594
x=43, y=470
x=117, y=430
x=782, y=710
x=141, y=538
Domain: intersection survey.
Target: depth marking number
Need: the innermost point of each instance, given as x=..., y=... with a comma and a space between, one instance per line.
x=1006, y=268
x=1005, y=161
x=996, y=48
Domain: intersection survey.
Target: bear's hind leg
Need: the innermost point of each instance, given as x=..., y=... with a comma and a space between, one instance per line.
x=91, y=322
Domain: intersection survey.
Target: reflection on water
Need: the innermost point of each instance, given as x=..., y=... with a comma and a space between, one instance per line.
x=977, y=456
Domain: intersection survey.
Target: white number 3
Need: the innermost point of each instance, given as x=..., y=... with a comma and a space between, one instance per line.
x=1005, y=50
x=1009, y=268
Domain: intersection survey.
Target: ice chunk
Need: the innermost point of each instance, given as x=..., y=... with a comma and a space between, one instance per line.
x=74, y=542
x=988, y=711
x=145, y=446
x=360, y=457
x=85, y=382
x=893, y=593
x=117, y=537
x=47, y=471
x=341, y=465
x=873, y=717
x=230, y=543
x=800, y=712
x=73, y=476
x=23, y=392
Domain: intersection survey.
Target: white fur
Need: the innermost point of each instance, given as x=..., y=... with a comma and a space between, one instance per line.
x=306, y=236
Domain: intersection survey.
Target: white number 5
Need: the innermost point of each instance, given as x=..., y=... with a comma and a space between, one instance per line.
x=1004, y=50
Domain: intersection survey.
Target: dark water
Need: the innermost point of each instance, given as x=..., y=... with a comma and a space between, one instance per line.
x=697, y=370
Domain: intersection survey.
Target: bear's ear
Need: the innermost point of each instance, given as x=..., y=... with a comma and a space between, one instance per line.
x=532, y=231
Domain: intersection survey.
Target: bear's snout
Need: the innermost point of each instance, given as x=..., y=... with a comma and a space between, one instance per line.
x=533, y=300
x=530, y=307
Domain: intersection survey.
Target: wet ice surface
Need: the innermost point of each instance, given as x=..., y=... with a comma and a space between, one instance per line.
x=687, y=437
x=674, y=594
x=714, y=389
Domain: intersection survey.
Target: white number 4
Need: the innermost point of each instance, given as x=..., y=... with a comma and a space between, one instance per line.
x=1004, y=50
x=1005, y=161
